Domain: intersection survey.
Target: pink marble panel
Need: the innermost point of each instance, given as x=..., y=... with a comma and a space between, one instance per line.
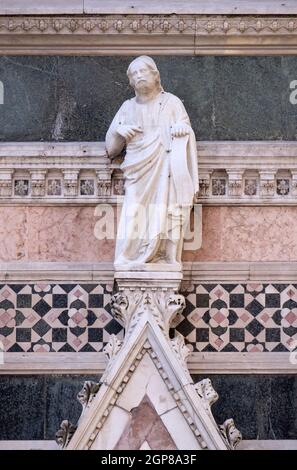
x=247, y=234
x=145, y=425
x=13, y=233
x=65, y=234
x=49, y=233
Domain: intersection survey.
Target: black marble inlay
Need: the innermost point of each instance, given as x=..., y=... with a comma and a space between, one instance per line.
x=52, y=98
x=263, y=407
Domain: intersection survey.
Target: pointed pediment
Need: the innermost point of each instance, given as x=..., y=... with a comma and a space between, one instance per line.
x=146, y=398
x=147, y=373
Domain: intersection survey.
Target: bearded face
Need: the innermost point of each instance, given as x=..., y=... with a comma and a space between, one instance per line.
x=142, y=78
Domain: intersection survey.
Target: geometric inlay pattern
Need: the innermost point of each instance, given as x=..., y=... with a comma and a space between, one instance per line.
x=50, y=317
x=71, y=317
x=246, y=317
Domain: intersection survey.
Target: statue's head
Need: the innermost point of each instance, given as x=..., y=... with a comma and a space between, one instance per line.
x=143, y=75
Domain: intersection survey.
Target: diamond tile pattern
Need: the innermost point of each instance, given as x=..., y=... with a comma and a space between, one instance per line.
x=56, y=317
x=75, y=317
x=249, y=317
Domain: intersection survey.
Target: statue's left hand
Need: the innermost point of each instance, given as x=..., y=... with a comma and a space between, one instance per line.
x=179, y=129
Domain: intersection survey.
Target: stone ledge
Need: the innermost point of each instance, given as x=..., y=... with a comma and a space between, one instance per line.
x=193, y=271
x=198, y=363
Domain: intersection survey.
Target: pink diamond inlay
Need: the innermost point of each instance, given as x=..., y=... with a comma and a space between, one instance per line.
x=291, y=317
x=77, y=342
x=195, y=317
x=77, y=317
x=4, y=317
x=103, y=317
x=265, y=317
x=6, y=294
x=219, y=342
x=219, y=317
x=219, y=293
x=78, y=293
x=244, y=317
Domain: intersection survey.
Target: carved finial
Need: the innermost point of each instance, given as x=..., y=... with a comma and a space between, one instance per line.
x=231, y=434
x=112, y=347
x=182, y=351
x=65, y=433
x=87, y=393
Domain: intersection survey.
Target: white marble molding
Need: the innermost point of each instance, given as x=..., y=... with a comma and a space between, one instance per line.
x=230, y=173
x=120, y=28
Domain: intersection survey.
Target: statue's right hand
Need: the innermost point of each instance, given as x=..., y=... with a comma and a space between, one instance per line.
x=128, y=132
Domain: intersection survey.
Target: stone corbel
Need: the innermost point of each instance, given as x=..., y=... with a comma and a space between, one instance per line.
x=267, y=183
x=104, y=182
x=38, y=183
x=234, y=182
x=70, y=182
x=6, y=182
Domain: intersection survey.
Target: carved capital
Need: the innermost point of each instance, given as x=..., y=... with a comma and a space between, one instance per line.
x=38, y=183
x=6, y=182
x=267, y=183
x=163, y=306
x=70, y=182
x=235, y=182
x=104, y=182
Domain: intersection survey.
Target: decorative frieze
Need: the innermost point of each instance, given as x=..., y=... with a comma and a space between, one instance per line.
x=229, y=173
x=182, y=33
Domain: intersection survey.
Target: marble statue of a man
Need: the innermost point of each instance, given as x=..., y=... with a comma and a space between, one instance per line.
x=160, y=170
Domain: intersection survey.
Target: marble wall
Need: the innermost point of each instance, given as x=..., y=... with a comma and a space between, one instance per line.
x=75, y=98
x=67, y=234
x=263, y=407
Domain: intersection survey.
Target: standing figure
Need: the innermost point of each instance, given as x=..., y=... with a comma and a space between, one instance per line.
x=160, y=170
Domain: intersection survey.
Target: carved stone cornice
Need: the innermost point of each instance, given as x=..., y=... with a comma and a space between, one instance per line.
x=249, y=173
x=149, y=33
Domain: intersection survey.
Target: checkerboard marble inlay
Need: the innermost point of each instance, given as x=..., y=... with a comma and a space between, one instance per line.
x=71, y=317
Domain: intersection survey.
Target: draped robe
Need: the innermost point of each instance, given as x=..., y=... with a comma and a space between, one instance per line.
x=161, y=179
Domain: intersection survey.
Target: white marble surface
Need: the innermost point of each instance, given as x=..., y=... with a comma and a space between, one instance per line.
x=227, y=7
